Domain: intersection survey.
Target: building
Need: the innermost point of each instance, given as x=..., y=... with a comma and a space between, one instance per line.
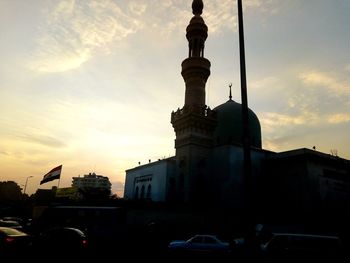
x=92, y=183
x=308, y=181
x=153, y=181
x=208, y=164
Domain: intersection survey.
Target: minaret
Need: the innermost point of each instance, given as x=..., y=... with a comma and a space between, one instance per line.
x=196, y=68
x=195, y=122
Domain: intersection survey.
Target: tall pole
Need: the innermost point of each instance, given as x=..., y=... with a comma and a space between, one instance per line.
x=246, y=132
x=59, y=180
x=25, y=185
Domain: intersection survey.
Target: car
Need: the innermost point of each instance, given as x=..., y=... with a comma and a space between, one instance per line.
x=11, y=224
x=68, y=240
x=13, y=218
x=13, y=241
x=200, y=244
x=295, y=246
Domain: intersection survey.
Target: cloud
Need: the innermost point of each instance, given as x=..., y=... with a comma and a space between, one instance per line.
x=325, y=80
x=310, y=104
x=278, y=143
x=137, y=8
x=264, y=83
x=272, y=121
x=76, y=30
x=338, y=118
x=42, y=140
x=221, y=15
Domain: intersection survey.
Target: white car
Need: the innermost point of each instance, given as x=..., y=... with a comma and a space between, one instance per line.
x=200, y=243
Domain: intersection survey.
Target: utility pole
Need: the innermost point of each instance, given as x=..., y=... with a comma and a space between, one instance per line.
x=246, y=133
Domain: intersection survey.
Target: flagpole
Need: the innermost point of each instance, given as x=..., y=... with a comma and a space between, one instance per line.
x=59, y=180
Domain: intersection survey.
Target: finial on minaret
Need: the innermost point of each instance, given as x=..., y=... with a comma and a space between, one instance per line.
x=230, y=85
x=197, y=7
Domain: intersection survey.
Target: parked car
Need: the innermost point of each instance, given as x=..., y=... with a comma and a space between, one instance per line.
x=200, y=243
x=13, y=218
x=13, y=241
x=68, y=240
x=289, y=246
x=11, y=224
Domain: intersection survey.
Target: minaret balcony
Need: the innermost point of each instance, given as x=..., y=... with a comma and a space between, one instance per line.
x=192, y=117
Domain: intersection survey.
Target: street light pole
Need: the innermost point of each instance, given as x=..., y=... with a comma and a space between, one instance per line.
x=249, y=217
x=25, y=186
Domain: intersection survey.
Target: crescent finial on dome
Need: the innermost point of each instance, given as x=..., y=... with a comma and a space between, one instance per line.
x=197, y=7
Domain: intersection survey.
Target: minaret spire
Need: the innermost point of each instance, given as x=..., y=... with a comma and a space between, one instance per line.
x=197, y=7
x=196, y=68
x=230, y=96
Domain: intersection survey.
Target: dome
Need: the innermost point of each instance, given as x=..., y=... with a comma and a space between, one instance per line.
x=229, y=127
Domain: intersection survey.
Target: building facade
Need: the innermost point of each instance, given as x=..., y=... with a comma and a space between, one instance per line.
x=154, y=181
x=92, y=181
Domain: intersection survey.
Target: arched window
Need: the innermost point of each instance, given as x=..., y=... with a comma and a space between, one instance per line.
x=142, y=195
x=136, y=193
x=149, y=192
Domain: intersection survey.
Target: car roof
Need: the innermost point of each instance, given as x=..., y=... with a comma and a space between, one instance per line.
x=205, y=235
x=66, y=229
x=12, y=232
x=305, y=235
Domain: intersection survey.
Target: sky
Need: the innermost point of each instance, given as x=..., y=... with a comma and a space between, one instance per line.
x=91, y=84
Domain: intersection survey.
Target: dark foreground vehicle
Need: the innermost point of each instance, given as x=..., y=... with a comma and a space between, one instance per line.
x=62, y=241
x=13, y=241
x=292, y=247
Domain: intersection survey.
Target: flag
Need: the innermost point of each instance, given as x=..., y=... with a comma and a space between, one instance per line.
x=55, y=173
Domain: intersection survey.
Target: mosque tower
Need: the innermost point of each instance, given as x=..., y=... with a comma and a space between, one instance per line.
x=195, y=123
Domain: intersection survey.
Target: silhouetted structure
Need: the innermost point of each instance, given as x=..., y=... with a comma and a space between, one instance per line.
x=208, y=167
x=92, y=186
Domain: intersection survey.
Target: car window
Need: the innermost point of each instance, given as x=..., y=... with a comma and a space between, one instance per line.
x=9, y=223
x=304, y=242
x=278, y=242
x=315, y=242
x=196, y=240
x=210, y=240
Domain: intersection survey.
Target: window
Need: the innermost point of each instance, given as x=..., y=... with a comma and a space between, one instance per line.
x=142, y=195
x=149, y=192
x=196, y=240
x=136, y=193
x=210, y=240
